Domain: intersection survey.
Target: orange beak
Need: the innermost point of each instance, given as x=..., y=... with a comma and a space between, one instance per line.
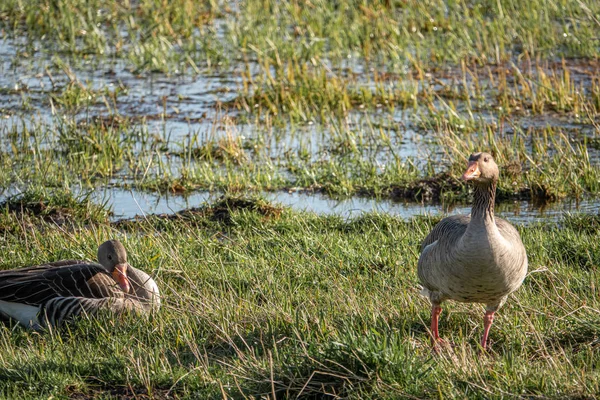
x=472, y=171
x=120, y=276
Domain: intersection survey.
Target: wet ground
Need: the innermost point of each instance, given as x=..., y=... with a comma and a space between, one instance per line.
x=179, y=109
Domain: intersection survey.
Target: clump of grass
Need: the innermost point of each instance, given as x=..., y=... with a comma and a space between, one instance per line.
x=56, y=206
x=302, y=93
x=71, y=151
x=75, y=97
x=400, y=33
x=139, y=32
x=227, y=205
x=224, y=149
x=542, y=90
x=220, y=211
x=348, y=159
x=588, y=223
x=184, y=34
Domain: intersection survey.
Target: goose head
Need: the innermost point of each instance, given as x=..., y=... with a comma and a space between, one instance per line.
x=482, y=169
x=113, y=256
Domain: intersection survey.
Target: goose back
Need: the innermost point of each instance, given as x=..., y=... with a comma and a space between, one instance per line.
x=38, y=284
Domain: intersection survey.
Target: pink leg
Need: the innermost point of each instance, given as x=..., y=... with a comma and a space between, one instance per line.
x=436, y=310
x=487, y=324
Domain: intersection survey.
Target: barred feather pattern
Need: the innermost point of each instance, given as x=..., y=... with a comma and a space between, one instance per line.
x=40, y=283
x=59, y=310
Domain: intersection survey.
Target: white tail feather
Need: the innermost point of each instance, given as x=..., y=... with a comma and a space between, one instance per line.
x=27, y=315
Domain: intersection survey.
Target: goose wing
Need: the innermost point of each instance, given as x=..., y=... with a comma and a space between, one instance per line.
x=100, y=285
x=38, y=284
x=449, y=229
x=434, y=248
x=103, y=285
x=509, y=232
x=61, y=309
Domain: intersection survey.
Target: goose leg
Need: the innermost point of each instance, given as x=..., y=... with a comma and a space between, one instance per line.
x=487, y=324
x=436, y=310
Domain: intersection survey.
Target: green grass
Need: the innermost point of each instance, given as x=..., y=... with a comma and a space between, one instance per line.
x=183, y=34
x=58, y=206
x=305, y=94
x=147, y=34
x=553, y=167
x=536, y=163
x=301, y=305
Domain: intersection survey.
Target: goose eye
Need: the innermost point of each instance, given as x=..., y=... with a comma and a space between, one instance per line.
x=486, y=159
x=109, y=257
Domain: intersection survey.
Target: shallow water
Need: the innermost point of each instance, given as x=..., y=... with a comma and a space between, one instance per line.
x=127, y=204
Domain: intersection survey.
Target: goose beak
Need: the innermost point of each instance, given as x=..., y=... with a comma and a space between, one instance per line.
x=120, y=276
x=472, y=171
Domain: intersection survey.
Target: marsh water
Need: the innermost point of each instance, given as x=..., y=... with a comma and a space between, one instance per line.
x=130, y=203
x=181, y=108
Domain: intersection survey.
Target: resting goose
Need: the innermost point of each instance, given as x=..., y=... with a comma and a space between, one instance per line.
x=475, y=258
x=52, y=293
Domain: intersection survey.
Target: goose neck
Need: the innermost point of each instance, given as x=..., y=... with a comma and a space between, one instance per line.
x=144, y=288
x=483, y=202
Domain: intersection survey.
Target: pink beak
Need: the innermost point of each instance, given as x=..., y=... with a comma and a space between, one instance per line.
x=120, y=276
x=472, y=171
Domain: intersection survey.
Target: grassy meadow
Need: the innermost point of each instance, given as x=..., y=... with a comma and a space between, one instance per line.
x=262, y=302
x=382, y=99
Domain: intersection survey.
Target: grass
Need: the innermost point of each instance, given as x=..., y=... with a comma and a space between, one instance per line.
x=142, y=34
x=173, y=36
x=305, y=94
x=551, y=168
x=55, y=206
x=292, y=304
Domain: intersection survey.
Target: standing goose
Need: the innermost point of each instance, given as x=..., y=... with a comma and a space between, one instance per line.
x=49, y=294
x=475, y=258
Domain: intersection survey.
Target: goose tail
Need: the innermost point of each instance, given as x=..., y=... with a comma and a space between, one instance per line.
x=425, y=292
